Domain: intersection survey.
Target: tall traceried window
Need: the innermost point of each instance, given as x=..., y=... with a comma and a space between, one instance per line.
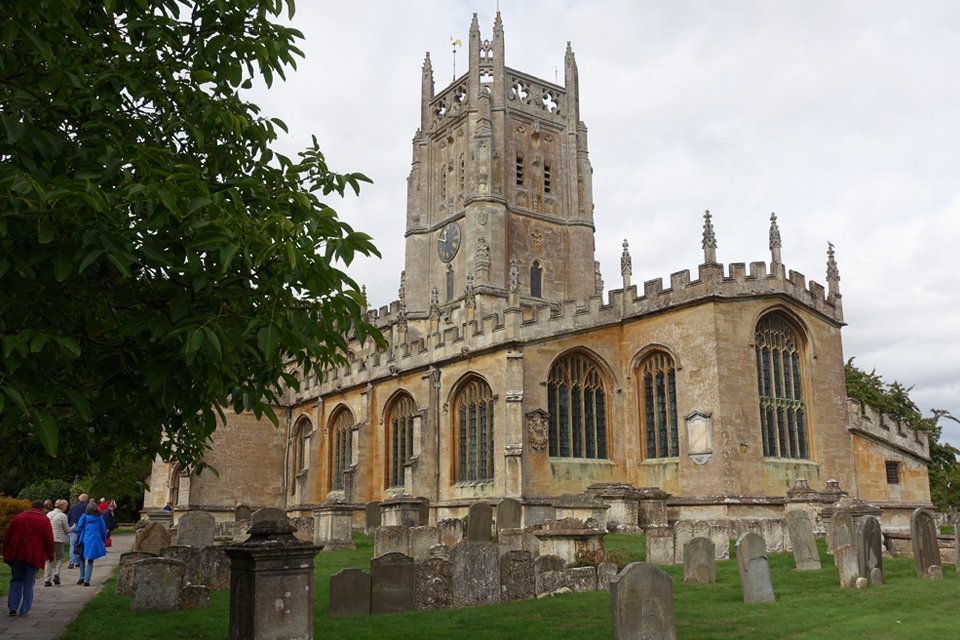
x=341, y=451
x=577, y=404
x=301, y=434
x=783, y=415
x=657, y=379
x=536, y=280
x=399, y=438
x=474, y=430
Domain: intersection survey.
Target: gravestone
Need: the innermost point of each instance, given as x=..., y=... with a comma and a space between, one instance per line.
x=659, y=545
x=215, y=568
x=754, y=570
x=391, y=539
x=582, y=579
x=195, y=529
x=421, y=539
x=923, y=539
x=843, y=531
x=550, y=574
x=641, y=599
x=451, y=531
x=699, y=559
x=606, y=572
x=371, y=518
x=190, y=557
x=870, y=549
x=440, y=551
x=517, y=578
x=848, y=565
x=433, y=584
x=152, y=538
x=476, y=573
x=806, y=556
x=125, y=572
x=349, y=593
x=509, y=514
x=242, y=512
x=392, y=583
x=479, y=521
x=195, y=596
x=156, y=585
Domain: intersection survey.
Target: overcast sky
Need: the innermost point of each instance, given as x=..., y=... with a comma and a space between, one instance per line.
x=843, y=117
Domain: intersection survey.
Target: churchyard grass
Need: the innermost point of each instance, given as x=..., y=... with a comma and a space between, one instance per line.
x=809, y=605
x=4, y=578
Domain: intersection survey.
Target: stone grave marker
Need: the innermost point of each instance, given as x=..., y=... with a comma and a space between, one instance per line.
x=215, y=568
x=517, y=578
x=755, y=582
x=550, y=573
x=806, y=556
x=372, y=518
x=660, y=545
x=451, y=531
x=152, y=538
x=476, y=573
x=433, y=584
x=156, y=585
x=606, y=572
x=349, y=593
x=391, y=539
x=870, y=549
x=923, y=539
x=699, y=559
x=196, y=529
x=848, y=565
x=125, y=572
x=682, y=534
x=392, y=583
x=843, y=531
x=421, y=539
x=190, y=557
x=582, y=579
x=509, y=514
x=479, y=521
x=242, y=512
x=268, y=515
x=195, y=596
x=641, y=599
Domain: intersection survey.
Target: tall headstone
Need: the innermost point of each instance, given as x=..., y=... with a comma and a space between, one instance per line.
x=421, y=539
x=152, y=538
x=349, y=593
x=847, y=564
x=699, y=559
x=392, y=583
x=659, y=545
x=843, y=532
x=451, y=531
x=755, y=582
x=476, y=574
x=215, y=568
x=806, y=556
x=195, y=529
x=926, y=549
x=157, y=583
x=509, y=514
x=682, y=534
x=517, y=578
x=371, y=518
x=393, y=539
x=870, y=550
x=479, y=522
x=433, y=584
x=641, y=599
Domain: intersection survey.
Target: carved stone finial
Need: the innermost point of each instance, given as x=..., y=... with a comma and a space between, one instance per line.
x=626, y=263
x=434, y=303
x=775, y=243
x=482, y=260
x=514, y=275
x=598, y=278
x=402, y=293
x=470, y=296
x=833, y=273
x=709, y=243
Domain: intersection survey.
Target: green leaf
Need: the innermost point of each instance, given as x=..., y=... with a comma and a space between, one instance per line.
x=214, y=341
x=267, y=339
x=48, y=432
x=80, y=404
x=61, y=269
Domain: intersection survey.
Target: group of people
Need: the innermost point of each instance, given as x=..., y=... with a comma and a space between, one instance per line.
x=35, y=539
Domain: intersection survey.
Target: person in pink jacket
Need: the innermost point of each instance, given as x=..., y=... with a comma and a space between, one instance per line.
x=27, y=545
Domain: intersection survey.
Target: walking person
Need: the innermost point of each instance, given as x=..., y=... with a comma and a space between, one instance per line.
x=73, y=517
x=91, y=533
x=27, y=545
x=61, y=536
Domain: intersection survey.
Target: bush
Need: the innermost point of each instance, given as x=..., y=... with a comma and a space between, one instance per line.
x=10, y=507
x=49, y=489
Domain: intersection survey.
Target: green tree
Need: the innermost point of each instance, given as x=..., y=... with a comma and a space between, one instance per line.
x=159, y=262
x=894, y=399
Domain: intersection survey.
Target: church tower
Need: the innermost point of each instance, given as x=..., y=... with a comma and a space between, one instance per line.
x=499, y=197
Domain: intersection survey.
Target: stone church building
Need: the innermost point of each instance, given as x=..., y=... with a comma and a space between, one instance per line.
x=510, y=372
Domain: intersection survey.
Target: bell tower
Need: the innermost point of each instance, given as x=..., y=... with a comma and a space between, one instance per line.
x=499, y=196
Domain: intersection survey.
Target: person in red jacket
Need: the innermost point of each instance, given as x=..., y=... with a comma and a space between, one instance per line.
x=27, y=546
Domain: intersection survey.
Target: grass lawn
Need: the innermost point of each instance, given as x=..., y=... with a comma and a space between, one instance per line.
x=809, y=605
x=4, y=578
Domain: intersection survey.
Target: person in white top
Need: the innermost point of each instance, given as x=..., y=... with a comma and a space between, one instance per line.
x=61, y=535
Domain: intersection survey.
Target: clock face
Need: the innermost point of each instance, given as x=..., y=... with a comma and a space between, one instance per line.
x=449, y=241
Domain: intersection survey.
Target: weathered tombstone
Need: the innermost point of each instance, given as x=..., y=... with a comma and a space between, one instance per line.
x=876, y=577
x=125, y=572
x=156, y=585
x=451, y=531
x=195, y=596
x=333, y=526
x=806, y=556
x=479, y=521
x=550, y=574
x=476, y=573
x=720, y=534
x=392, y=583
x=372, y=518
x=433, y=588
x=349, y=593
x=152, y=538
x=582, y=579
x=751, y=551
x=421, y=539
x=392, y=539
x=517, y=578
x=699, y=559
x=870, y=549
x=606, y=572
x=440, y=551
x=509, y=514
x=242, y=512
x=642, y=602
x=215, y=568
x=659, y=545
x=923, y=538
x=190, y=557
x=843, y=531
x=682, y=534
x=849, y=567
x=195, y=529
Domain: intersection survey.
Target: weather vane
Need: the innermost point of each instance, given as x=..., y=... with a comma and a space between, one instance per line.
x=456, y=43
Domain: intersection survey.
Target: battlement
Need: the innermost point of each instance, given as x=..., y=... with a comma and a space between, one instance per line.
x=866, y=420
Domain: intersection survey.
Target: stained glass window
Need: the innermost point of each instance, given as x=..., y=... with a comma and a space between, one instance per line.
x=536, y=280
x=783, y=421
x=657, y=378
x=577, y=425
x=342, y=444
x=399, y=438
x=474, y=430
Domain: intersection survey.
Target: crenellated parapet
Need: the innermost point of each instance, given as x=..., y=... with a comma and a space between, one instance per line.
x=864, y=419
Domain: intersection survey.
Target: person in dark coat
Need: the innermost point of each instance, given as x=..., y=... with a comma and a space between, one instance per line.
x=73, y=517
x=92, y=532
x=27, y=546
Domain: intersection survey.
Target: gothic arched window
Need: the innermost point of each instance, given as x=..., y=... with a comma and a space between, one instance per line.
x=657, y=380
x=301, y=433
x=473, y=412
x=577, y=404
x=536, y=280
x=783, y=416
x=399, y=437
x=341, y=451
